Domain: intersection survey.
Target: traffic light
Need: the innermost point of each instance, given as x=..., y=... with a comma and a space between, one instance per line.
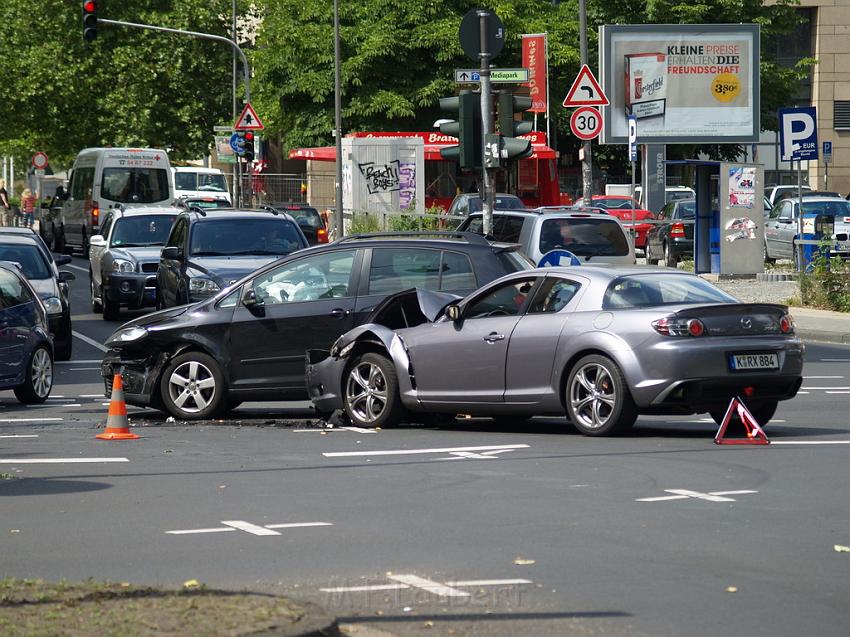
x=89, y=20
x=512, y=146
x=245, y=145
x=467, y=129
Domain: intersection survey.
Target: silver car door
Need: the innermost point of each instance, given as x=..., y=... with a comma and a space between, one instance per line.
x=464, y=361
x=96, y=254
x=787, y=229
x=531, y=351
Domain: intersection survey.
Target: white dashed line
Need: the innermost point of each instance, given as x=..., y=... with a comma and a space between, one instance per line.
x=90, y=341
x=20, y=436
x=811, y=388
x=60, y=460
x=407, y=452
x=820, y=377
x=76, y=267
x=31, y=419
x=810, y=442
x=427, y=585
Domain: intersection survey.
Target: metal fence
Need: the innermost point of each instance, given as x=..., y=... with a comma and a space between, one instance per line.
x=273, y=188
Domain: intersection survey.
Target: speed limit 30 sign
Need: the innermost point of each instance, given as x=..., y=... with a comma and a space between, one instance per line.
x=586, y=123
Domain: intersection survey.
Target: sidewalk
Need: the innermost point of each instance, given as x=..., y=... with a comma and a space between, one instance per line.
x=822, y=325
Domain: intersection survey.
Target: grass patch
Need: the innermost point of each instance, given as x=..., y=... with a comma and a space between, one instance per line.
x=35, y=608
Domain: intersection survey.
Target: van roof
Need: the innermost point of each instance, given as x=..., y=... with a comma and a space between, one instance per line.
x=197, y=169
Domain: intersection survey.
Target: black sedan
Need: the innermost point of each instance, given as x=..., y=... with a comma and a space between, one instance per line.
x=248, y=341
x=672, y=238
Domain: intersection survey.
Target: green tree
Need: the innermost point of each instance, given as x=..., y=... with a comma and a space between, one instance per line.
x=128, y=87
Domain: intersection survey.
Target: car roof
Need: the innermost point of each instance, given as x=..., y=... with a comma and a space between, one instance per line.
x=608, y=272
x=233, y=213
x=13, y=230
x=549, y=213
x=19, y=240
x=432, y=239
x=816, y=198
x=145, y=210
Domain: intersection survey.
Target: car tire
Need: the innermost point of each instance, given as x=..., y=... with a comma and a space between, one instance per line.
x=767, y=258
x=96, y=306
x=62, y=350
x=192, y=387
x=39, y=378
x=370, y=392
x=111, y=310
x=670, y=259
x=650, y=258
x=59, y=241
x=762, y=411
x=598, y=402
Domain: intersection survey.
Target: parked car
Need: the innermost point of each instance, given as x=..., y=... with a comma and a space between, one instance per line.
x=535, y=344
x=51, y=285
x=56, y=260
x=775, y=193
x=207, y=251
x=308, y=219
x=780, y=228
x=629, y=212
x=124, y=259
x=248, y=341
x=594, y=238
x=26, y=350
x=671, y=193
x=672, y=238
x=202, y=202
x=469, y=202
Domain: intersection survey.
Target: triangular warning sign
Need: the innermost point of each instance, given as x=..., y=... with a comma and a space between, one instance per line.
x=755, y=434
x=248, y=120
x=585, y=91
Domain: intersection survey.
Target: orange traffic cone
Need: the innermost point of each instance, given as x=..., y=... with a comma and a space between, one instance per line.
x=755, y=434
x=117, y=425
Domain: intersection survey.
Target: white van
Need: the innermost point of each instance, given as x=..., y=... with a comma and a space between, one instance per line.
x=192, y=181
x=104, y=178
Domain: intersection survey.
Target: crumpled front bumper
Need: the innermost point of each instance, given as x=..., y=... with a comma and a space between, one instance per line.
x=139, y=376
x=324, y=380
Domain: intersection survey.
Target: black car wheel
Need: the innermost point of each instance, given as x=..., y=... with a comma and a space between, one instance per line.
x=767, y=258
x=59, y=240
x=192, y=387
x=96, y=306
x=650, y=258
x=39, y=378
x=371, y=392
x=597, y=398
x=111, y=309
x=669, y=258
x=761, y=411
x=63, y=348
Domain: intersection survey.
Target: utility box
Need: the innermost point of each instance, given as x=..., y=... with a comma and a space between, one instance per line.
x=383, y=174
x=741, y=218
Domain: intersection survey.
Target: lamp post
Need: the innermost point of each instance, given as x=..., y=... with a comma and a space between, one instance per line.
x=338, y=216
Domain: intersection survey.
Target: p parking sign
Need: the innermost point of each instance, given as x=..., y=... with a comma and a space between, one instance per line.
x=798, y=133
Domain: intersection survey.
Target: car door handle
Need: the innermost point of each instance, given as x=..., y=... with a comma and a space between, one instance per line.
x=339, y=313
x=492, y=337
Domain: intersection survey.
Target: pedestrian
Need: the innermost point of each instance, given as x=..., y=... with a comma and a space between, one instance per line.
x=5, y=208
x=28, y=207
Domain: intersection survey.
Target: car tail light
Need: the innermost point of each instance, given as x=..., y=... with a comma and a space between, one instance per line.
x=677, y=229
x=675, y=326
x=322, y=235
x=786, y=324
x=95, y=215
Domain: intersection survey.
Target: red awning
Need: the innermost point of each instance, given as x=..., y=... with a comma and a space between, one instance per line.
x=432, y=153
x=322, y=153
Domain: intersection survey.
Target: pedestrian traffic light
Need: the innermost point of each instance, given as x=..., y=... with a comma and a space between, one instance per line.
x=512, y=146
x=249, y=146
x=89, y=20
x=467, y=129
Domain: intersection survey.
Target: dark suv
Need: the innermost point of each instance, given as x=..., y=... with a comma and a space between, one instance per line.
x=308, y=219
x=208, y=250
x=249, y=341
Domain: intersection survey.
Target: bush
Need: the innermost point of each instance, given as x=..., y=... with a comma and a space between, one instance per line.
x=363, y=223
x=826, y=284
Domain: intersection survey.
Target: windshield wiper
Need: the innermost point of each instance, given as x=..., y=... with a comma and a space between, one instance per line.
x=257, y=252
x=209, y=254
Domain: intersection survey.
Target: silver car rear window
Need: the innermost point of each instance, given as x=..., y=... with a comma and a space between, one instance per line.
x=584, y=237
x=651, y=290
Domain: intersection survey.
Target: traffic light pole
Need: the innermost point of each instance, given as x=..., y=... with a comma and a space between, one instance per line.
x=586, y=162
x=487, y=127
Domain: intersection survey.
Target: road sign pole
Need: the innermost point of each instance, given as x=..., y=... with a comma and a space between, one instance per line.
x=587, y=162
x=489, y=198
x=799, y=250
x=339, y=219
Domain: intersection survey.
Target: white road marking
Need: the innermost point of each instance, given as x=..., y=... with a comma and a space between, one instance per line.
x=820, y=377
x=407, y=452
x=811, y=388
x=810, y=442
x=43, y=406
x=31, y=419
x=486, y=455
x=253, y=529
x=803, y=392
x=83, y=362
x=60, y=460
x=91, y=395
x=835, y=360
x=427, y=585
x=837, y=392
x=362, y=589
x=684, y=494
x=76, y=267
x=91, y=342
x=58, y=398
x=360, y=430
x=489, y=582
x=20, y=436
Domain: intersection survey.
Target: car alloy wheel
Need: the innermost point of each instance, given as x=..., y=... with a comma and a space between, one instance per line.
x=598, y=401
x=371, y=392
x=39, y=378
x=192, y=387
x=669, y=258
x=96, y=307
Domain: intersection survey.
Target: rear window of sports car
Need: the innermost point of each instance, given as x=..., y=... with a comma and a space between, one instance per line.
x=651, y=290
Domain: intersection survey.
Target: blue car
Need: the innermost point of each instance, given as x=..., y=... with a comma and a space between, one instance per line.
x=26, y=351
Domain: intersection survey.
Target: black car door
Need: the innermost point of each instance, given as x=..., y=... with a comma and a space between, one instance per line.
x=305, y=303
x=17, y=318
x=168, y=274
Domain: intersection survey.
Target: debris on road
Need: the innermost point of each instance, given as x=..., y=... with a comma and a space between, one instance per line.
x=521, y=561
x=840, y=548
x=731, y=589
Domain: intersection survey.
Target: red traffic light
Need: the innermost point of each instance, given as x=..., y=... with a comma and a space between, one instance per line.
x=249, y=136
x=89, y=6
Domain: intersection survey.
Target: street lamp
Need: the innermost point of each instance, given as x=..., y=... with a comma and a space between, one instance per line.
x=338, y=217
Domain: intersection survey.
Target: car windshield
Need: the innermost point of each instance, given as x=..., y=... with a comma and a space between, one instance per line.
x=135, y=185
x=28, y=257
x=836, y=208
x=584, y=237
x=688, y=209
x=211, y=183
x=651, y=290
x=245, y=236
x=613, y=203
x=503, y=202
x=308, y=217
x=506, y=228
x=146, y=230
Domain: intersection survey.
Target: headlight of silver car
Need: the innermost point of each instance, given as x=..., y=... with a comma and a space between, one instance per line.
x=53, y=305
x=127, y=335
x=202, y=285
x=122, y=265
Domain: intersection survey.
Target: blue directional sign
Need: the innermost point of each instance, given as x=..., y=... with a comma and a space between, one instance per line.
x=235, y=143
x=555, y=258
x=798, y=133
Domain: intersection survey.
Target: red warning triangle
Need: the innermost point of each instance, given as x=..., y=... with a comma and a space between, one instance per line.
x=248, y=120
x=755, y=434
x=585, y=91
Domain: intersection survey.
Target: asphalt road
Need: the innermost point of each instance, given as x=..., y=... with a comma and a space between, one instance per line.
x=473, y=530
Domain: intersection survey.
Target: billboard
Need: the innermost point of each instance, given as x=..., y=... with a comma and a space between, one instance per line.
x=685, y=83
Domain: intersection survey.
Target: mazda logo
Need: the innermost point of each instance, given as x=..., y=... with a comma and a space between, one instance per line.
x=746, y=322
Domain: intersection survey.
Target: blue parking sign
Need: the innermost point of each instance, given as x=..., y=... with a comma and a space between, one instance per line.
x=555, y=258
x=798, y=133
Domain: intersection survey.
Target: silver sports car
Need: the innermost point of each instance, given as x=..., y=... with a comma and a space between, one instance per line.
x=599, y=344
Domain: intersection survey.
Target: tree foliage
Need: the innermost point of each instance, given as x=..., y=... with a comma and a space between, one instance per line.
x=128, y=87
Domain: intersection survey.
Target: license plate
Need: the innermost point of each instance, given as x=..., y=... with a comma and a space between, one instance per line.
x=745, y=362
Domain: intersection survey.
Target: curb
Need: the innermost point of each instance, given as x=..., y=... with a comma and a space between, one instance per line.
x=316, y=622
x=776, y=276
x=823, y=336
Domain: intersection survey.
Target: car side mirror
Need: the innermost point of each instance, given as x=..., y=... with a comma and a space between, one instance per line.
x=97, y=241
x=171, y=253
x=453, y=312
x=61, y=259
x=66, y=277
